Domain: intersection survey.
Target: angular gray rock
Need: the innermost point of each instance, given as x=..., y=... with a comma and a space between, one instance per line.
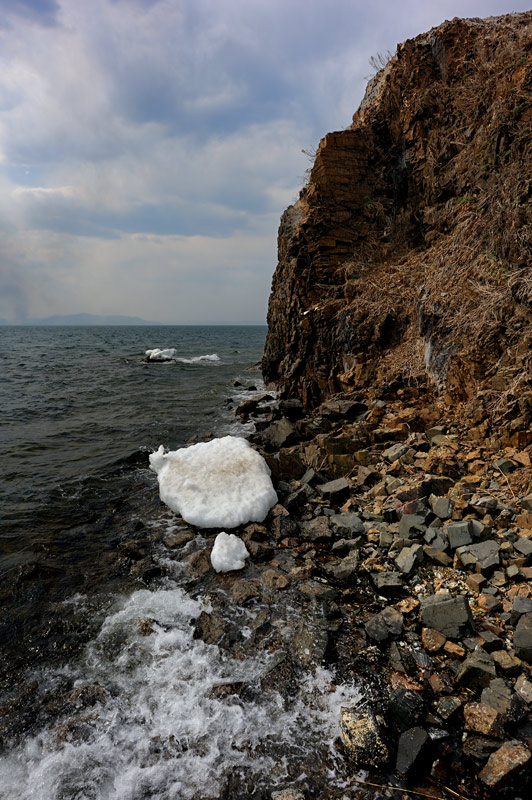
x=459, y=533
x=388, y=624
x=347, y=525
x=477, y=671
x=411, y=526
x=410, y=749
x=449, y=615
x=409, y=558
x=484, y=556
x=523, y=638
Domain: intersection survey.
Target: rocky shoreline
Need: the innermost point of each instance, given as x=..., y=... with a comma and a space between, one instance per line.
x=405, y=549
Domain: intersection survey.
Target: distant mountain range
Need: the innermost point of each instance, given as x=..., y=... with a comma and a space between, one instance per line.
x=79, y=319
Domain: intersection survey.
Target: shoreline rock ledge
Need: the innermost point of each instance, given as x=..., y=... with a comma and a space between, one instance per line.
x=400, y=341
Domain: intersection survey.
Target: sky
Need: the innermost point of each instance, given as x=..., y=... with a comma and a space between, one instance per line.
x=149, y=147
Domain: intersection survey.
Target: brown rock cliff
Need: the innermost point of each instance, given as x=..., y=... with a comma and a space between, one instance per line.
x=407, y=260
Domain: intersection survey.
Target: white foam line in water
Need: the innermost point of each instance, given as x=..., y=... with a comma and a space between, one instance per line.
x=155, y=729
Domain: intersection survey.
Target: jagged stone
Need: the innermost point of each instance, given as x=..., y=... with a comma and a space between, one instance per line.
x=507, y=663
x=345, y=569
x=432, y=640
x=395, y=452
x=523, y=638
x=385, y=625
x=280, y=433
x=459, y=533
x=484, y=556
x=483, y=719
x=411, y=526
x=336, y=490
x=347, y=525
x=447, y=706
x=436, y=538
x=362, y=737
x=438, y=556
x=523, y=687
x=442, y=507
x=449, y=615
x=500, y=696
x=524, y=546
x=477, y=671
x=317, y=529
x=505, y=764
x=405, y=709
x=387, y=583
x=409, y=558
x=291, y=408
x=410, y=749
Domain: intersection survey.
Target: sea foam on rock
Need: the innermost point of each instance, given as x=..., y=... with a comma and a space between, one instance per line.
x=157, y=354
x=218, y=484
x=228, y=553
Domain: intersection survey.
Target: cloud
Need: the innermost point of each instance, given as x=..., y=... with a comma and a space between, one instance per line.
x=146, y=146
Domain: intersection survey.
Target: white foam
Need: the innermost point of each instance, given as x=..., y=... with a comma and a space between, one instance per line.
x=160, y=731
x=228, y=553
x=218, y=484
x=161, y=355
x=213, y=358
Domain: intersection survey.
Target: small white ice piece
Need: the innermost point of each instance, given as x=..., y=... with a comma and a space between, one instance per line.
x=160, y=355
x=218, y=484
x=228, y=552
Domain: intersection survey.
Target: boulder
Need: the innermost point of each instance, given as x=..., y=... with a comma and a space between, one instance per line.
x=484, y=556
x=388, y=624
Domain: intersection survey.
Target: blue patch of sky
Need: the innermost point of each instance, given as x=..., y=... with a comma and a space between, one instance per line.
x=43, y=12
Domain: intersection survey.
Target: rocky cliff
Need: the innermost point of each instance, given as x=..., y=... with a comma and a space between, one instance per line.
x=406, y=262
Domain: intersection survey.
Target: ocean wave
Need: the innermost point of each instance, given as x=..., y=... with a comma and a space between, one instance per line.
x=213, y=357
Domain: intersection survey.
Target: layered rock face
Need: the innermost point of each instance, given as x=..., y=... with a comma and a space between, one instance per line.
x=407, y=260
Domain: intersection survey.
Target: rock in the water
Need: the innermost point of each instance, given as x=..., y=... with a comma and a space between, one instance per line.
x=505, y=764
x=362, y=738
x=449, y=615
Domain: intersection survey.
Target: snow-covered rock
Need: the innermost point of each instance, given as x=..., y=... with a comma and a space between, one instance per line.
x=228, y=553
x=218, y=484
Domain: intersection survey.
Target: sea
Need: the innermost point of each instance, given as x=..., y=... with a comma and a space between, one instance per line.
x=105, y=692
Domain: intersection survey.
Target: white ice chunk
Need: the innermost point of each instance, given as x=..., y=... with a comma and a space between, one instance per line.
x=217, y=484
x=228, y=553
x=160, y=355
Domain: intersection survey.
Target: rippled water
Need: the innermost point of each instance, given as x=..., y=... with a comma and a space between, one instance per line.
x=106, y=695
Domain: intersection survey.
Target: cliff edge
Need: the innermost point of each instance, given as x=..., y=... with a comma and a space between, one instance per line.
x=406, y=261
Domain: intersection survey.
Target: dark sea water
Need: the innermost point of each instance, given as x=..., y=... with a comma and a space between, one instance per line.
x=91, y=707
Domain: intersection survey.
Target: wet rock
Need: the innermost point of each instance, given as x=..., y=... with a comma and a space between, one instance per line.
x=362, y=738
x=409, y=558
x=505, y=764
x=523, y=638
x=483, y=719
x=242, y=591
x=197, y=564
x=209, y=627
x=309, y=644
x=477, y=671
x=411, y=749
x=405, y=709
x=388, y=624
x=179, y=539
x=479, y=748
x=288, y=794
x=449, y=615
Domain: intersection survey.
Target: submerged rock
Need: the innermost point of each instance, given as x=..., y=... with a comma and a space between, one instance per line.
x=362, y=738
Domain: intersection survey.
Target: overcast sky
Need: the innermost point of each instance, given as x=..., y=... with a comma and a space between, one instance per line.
x=149, y=147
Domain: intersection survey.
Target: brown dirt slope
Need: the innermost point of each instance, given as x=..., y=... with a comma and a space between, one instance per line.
x=407, y=260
